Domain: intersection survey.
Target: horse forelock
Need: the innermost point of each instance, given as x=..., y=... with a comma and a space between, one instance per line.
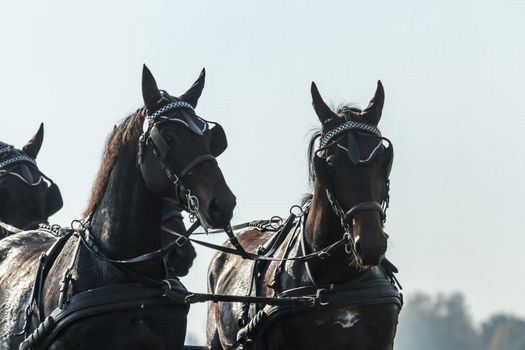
x=122, y=141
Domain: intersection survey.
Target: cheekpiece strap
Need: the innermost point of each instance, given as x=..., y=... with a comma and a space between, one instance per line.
x=349, y=125
x=169, y=107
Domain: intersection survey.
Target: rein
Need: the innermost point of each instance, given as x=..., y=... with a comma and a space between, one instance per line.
x=144, y=291
x=345, y=216
x=89, y=241
x=281, y=231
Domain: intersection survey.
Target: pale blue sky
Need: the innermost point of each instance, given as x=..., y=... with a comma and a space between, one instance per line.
x=452, y=72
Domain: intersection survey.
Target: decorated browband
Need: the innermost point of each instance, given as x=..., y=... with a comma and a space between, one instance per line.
x=186, y=119
x=349, y=125
x=10, y=155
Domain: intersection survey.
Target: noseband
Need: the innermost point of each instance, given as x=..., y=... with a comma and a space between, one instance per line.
x=351, y=128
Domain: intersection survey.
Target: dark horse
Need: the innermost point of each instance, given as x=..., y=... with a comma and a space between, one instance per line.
x=26, y=199
x=357, y=303
x=88, y=298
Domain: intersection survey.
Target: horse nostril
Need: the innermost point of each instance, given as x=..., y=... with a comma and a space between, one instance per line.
x=214, y=209
x=369, y=254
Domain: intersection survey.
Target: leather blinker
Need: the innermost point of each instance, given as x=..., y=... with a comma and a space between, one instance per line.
x=218, y=140
x=390, y=156
x=54, y=200
x=161, y=146
x=354, y=152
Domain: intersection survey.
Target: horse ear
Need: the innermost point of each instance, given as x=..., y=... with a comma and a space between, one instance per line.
x=321, y=108
x=372, y=113
x=33, y=146
x=150, y=91
x=194, y=92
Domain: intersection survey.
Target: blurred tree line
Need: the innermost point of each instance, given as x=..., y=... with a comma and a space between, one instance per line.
x=444, y=323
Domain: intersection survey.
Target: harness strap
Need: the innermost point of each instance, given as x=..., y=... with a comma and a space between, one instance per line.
x=235, y=242
x=279, y=237
x=200, y=159
x=294, y=301
x=46, y=262
x=89, y=242
x=44, y=265
x=268, y=249
x=8, y=229
x=251, y=256
x=372, y=292
x=274, y=224
x=363, y=206
x=98, y=301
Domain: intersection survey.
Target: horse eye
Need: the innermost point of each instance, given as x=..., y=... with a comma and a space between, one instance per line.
x=168, y=139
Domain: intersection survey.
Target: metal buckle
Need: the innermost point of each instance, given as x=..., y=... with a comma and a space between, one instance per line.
x=348, y=239
x=296, y=210
x=319, y=296
x=276, y=222
x=171, y=175
x=181, y=238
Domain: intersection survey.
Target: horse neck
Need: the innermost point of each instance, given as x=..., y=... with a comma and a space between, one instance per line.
x=126, y=223
x=323, y=228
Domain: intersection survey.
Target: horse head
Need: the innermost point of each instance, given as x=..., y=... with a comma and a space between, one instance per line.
x=27, y=196
x=352, y=165
x=178, y=151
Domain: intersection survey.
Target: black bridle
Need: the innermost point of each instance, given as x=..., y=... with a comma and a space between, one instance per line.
x=153, y=136
x=12, y=159
x=161, y=290
x=350, y=129
x=151, y=291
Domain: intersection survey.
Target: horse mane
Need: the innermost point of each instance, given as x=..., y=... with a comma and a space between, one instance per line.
x=316, y=134
x=123, y=139
x=345, y=107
